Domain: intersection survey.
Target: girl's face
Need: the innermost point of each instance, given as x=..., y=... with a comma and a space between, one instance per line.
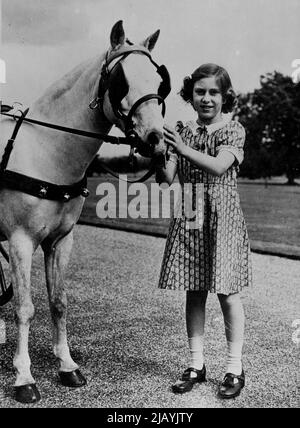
x=207, y=100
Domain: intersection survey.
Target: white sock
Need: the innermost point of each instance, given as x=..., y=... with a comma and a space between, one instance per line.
x=196, y=352
x=234, y=357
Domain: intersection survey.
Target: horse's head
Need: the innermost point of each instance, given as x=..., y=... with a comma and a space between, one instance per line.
x=133, y=89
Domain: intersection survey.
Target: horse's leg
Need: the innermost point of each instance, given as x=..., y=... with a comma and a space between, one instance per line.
x=21, y=250
x=56, y=259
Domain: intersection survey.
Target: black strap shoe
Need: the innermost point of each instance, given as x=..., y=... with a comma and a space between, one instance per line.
x=189, y=378
x=232, y=385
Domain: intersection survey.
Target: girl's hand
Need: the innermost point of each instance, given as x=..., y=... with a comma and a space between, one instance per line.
x=172, y=138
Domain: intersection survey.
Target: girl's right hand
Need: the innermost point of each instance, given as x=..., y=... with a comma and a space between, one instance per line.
x=173, y=139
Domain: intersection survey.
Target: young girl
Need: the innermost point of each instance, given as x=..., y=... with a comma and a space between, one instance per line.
x=214, y=257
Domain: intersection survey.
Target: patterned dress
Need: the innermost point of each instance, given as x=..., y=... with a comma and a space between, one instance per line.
x=215, y=256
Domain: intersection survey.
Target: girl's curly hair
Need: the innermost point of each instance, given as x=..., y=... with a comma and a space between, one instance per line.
x=223, y=81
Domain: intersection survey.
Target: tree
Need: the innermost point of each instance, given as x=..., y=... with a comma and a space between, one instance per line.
x=271, y=116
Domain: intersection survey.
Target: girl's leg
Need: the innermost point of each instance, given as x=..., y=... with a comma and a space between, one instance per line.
x=195, y=321
x=234, y=320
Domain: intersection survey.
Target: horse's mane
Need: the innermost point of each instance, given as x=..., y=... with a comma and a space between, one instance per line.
x=62, y=85
x=66, y=82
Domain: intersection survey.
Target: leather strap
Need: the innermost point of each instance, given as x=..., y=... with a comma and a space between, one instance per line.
x=126, y=50
x=10, y=143
x=99, y=136
x=141, y=101
x=42, y=189
x=104, y=137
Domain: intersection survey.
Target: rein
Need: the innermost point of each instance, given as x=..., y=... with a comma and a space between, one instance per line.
x=131, y=137
x=100, y=136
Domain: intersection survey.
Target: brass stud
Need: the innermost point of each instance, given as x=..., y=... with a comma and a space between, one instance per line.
x=43, y=192
x=67, y=197
x=85, y=192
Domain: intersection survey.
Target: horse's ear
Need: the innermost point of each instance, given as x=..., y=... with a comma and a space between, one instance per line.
x=117, y=35
x=150, y=42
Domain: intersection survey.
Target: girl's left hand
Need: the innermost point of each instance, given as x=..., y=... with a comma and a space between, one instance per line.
x=172, y=138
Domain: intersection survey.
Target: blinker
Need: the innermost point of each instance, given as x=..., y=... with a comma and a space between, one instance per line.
x=118, y=88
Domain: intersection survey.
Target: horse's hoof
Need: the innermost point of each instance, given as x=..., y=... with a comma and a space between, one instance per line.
x=73, y=379
x=27, y=394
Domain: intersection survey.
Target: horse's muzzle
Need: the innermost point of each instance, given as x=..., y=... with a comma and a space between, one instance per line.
x=153, y=146
x=156, y=143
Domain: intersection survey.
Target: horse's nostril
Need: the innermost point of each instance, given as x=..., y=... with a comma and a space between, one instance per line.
x=154, y=138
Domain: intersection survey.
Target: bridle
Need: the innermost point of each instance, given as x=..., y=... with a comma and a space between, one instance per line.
x=104, y=86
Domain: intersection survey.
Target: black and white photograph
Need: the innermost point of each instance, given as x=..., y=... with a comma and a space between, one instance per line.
x=149, y=206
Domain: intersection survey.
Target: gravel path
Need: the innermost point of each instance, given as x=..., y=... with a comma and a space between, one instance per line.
x=129, y=337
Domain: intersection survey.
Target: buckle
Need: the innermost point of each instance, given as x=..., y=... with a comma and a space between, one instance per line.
x=94, y=103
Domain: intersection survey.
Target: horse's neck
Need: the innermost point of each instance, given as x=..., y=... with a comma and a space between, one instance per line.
x=66, y=103
x=68, y=99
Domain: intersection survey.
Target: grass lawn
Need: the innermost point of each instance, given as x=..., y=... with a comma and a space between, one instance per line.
x=272, y=212
x=129, y=337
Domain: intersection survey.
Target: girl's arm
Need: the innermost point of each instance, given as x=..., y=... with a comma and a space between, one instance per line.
x=213, y=165
x=166, y=173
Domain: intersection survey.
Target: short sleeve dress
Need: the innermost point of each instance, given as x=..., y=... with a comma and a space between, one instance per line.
x=215, y=256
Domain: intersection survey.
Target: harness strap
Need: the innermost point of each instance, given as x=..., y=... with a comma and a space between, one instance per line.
x=125, y=50
x=99, y=136
x=10, y=143
x=141, y=101
x=42, y=189
x=11, y=179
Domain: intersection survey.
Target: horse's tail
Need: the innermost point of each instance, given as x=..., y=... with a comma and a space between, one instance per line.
x=6, y=293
